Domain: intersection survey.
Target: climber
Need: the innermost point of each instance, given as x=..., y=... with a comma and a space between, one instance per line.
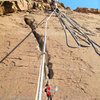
x=48, y=91
x=53, y=4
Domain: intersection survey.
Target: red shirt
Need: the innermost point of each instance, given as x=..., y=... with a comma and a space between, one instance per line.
x=48, y=91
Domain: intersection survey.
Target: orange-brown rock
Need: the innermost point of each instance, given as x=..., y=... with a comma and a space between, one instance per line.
x=8, y=7
x=1, y=10
x=68, y=8
x=87, y=10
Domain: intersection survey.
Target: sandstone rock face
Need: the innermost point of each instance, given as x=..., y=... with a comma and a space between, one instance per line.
x=76, y=70
x=22, y=5
x=88, y=10
x=83, y=10
x=46, y=6
x=11, y=6
x=8, y=7
x=68, y=8
x=1, y=10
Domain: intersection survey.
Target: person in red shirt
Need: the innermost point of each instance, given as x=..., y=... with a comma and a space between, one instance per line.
x=48, y=91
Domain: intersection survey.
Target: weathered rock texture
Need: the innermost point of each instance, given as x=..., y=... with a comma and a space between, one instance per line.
x=88, y=10
x=76, y=70
x=11, y=6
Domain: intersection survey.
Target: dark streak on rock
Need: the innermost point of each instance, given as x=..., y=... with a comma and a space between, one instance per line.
x=31, y=22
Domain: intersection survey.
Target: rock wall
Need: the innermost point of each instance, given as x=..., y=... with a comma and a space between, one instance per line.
x=87, y=10
x=11, y=6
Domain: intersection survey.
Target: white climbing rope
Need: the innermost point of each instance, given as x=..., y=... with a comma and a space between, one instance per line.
x=41, y=72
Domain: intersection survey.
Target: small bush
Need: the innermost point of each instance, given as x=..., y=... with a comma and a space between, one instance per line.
x=62, y=5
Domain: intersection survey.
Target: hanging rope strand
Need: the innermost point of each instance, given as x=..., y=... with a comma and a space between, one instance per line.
x=41, y=73
x=77, y=33
x=21, y=42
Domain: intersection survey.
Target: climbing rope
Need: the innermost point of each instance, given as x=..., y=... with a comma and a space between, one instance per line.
x=42, y=61
x=64, y=28
x=76, y=32
x=76, y=37
x=41, y=72
x=21, y=42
